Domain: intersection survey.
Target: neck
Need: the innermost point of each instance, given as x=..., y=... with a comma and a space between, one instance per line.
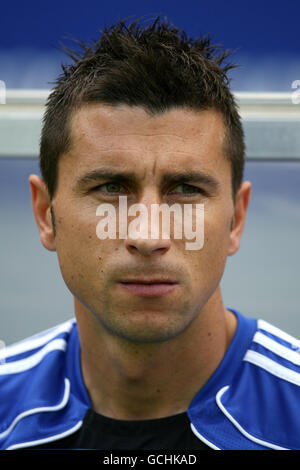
x=131, y=381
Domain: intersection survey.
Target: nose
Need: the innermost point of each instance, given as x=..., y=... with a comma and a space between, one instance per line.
x=145, y=236
x=147, y=247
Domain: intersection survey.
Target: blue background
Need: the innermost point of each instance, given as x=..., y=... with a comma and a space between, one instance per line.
x=265, y=33
x=262, y=279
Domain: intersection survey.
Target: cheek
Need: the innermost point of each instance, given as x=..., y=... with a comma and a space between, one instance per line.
x=78, y=250
x=209, y=262
x=218, y=233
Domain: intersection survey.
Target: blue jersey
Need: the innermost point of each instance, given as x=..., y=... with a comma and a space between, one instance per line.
x=252, y=400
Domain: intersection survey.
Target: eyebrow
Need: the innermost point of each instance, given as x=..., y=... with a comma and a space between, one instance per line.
x=96, y=175
x=101, y=174
x=192, y=177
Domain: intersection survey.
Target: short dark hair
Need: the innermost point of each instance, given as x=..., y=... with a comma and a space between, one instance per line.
x=156, y=67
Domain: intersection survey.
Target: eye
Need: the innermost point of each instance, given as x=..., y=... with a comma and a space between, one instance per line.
x=110, y=188
x=186, y=189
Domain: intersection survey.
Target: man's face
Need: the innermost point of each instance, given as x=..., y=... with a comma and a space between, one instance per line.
x=123, y=151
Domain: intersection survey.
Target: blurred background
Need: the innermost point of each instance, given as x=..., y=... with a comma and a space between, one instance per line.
x=262, y=279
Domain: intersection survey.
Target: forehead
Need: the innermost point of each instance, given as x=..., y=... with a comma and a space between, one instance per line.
x=126, y=136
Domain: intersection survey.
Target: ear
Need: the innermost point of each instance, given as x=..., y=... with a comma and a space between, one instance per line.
x=239, y=218
x=42, y=213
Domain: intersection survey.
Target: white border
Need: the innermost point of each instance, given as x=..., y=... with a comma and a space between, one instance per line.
x=239, y=427
x=36, y=341
x=277, y=348
x=29, y=362
x=47, y=439
x=41, y=409
x=272, y=367
x=203, y=439
x=263, y=325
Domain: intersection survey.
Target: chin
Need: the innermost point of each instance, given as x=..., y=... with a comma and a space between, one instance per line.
x=153, y=330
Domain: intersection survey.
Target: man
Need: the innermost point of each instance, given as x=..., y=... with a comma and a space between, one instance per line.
x=153, y=360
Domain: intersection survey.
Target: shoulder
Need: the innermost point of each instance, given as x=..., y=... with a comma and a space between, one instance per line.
x=24, y=356
x=259, y=407
x=33, y=382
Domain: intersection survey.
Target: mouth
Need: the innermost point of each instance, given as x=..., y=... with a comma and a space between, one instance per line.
x=149, y=288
